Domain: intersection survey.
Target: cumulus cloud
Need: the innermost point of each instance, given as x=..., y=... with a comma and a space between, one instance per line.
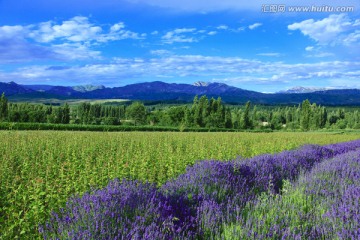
x=80, y=29
x=117, y=26
x=14, y=47
x=336, y=29
x=77, y=29
x=69, y=39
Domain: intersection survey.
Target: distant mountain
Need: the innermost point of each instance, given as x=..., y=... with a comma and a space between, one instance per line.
x=304, y=90
x=12, y=88
x=160, y=91
x=40, y=88
x=87, y=88
x=62, y=91
x=81, y=88
x=334, y=97
x=172, y=91
x=200, y=84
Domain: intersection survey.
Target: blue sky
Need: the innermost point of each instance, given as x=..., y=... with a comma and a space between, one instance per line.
x=119, y=42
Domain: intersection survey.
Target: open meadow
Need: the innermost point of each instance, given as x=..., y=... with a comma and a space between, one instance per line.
x=41, y=170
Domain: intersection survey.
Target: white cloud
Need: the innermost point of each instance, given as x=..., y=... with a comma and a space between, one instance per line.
x=353, y=37
x=233, y=69
x=309, y=48
x=270, y=54
x=160, y=52
x=77, y=29
x=222, y=27
x=319, y=54
x=255, y=25
x=13, y=32
x=154, y=32
x=75, y=51
x=227, y=28
x=211, y=33
x=328, y=31
x=179, y=35
x=70, y=39
x=184, y=30
x=116, y=27
x=15, y=48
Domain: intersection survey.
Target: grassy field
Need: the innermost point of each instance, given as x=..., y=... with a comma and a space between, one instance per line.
x=40, y=170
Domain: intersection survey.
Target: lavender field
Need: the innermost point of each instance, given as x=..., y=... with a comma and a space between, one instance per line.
x=308, y=193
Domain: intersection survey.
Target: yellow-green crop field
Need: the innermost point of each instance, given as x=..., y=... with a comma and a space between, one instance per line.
x=40, y=170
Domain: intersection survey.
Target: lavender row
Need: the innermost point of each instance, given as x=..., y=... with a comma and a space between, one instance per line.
x=194, y=205
x=323, y=204
x=337, y=184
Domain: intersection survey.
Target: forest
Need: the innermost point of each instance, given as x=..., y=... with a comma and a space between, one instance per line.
x=201, y=113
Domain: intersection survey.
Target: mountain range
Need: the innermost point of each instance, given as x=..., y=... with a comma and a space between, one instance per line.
x=300, y=89
x=160, y=91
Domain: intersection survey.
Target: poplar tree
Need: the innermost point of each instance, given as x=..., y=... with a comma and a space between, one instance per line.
x=305, y=115
x=66, y=114
x=3, y=107
x=246, y=122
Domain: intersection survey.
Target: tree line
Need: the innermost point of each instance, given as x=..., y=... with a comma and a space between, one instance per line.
x=201, y=113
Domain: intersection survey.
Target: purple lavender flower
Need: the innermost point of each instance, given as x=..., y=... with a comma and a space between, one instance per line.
x=210, y=194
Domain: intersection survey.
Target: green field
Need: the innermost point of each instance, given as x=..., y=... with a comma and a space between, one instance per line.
x=40, y=170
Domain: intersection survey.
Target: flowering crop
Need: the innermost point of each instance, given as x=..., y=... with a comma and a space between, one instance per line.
x=196, y=204
x=122, y=210
x=323, y=204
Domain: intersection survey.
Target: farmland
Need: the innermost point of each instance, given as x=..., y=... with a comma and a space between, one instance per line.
x=322, y=204
x=40, y=170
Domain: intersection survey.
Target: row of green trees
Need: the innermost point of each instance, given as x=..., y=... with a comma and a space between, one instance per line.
x=202, y=113
x=306, y=116
x=212, y=113
x=86, y=113
x=24, y=112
